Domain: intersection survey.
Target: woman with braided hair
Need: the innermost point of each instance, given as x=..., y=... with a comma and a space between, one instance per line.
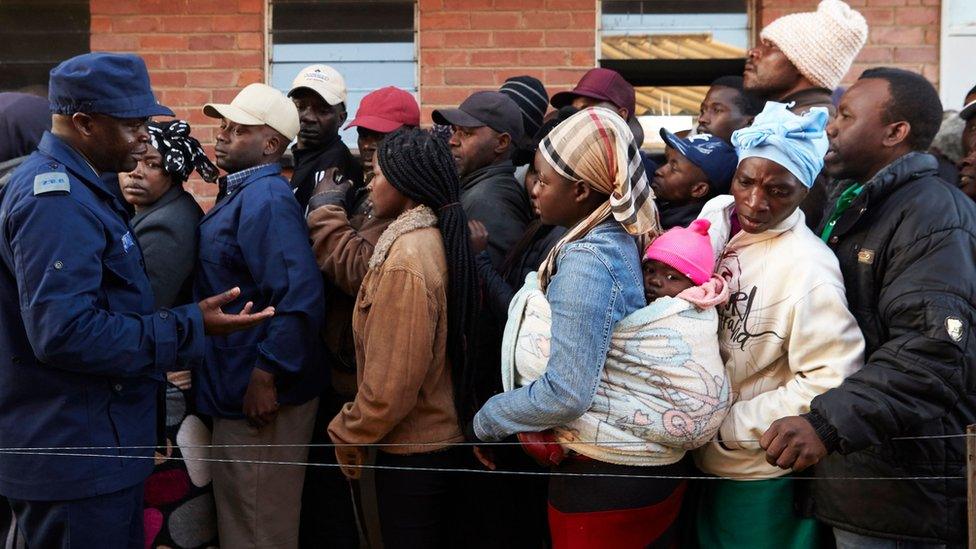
x=411, y=325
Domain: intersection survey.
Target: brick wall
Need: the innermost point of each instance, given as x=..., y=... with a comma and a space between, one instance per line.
x=903, y=33
x=197, y=51
x=469, y=45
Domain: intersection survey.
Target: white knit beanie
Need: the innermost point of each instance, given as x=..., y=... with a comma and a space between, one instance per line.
x=821, y=44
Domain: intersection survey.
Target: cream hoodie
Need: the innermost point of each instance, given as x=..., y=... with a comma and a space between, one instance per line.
x=785, y=335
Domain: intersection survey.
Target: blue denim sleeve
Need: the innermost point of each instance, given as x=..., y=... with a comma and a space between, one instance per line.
x=586, y=304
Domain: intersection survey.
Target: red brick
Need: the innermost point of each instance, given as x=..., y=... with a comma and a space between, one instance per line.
x=897, y=35
x=570, y=4
x=431, y=75
x=494, y=58
x=211, y=79
x=562, y=77
x=187, y=60
x=114, y=7
x=875, y=54
x=100, y=24
x=468, y=4
x=442, y=95
x=184, y=97
x=250, y=41
x=463, y=77
x=250, y=6
x=878, y=16
x=503, y=21
x=467, y=39
x=250, y=76
x=239, y=60
x=209, y=42
x=570, y=38
x=205, y=7
x=584, y=20
x=443, y=58
x=886, y=2
x=520, y=4
x=932, y=36
x=932, y=73
x=236, y=23
x=225, y=95
x=431, y=39
x=918, y=54
x=547, y=20
x=429, y=5
x=168, y=42
x=916, y=16
x=134, y=24
x=518, y=39
x=114, y=42
x=186, y=24
x=583, y=58
x=447, y=21
x=543, y=58
x=168, y=79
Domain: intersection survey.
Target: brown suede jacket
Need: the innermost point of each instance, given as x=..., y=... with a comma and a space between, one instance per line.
x=405, y=392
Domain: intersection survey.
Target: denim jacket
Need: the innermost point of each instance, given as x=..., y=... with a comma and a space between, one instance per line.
x=597, y=283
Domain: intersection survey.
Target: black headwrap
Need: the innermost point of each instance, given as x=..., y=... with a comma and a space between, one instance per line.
x=181, y=153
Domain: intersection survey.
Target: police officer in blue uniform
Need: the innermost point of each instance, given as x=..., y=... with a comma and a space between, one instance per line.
x=81, y=349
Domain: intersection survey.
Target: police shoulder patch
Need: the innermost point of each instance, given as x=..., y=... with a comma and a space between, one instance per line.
x=49, y=182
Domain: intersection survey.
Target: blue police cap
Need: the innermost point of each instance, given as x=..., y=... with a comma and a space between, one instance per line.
x=116, y=84
x=716, y=158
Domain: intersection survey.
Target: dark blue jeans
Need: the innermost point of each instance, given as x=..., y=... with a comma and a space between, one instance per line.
x=109, y=521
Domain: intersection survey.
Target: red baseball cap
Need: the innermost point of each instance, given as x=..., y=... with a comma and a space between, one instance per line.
x=386, y=109
x=602, y=84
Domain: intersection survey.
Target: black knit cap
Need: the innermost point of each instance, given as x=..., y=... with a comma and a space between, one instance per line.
x=419, y=165
x=532, y=99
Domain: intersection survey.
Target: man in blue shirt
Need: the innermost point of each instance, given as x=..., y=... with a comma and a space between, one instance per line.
x=82, y=352
x=260, y=385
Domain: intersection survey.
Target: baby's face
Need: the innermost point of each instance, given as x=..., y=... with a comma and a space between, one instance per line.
x=662, y=280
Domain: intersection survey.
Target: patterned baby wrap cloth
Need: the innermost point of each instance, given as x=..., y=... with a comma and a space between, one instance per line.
x=663, y=389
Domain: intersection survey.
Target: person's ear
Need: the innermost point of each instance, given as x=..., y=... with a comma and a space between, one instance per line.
x=343, y=115
x=895, y=134
x=504, y=142
x=581, y=192
x=84, y=123
x=700, y=189
x=272, y=144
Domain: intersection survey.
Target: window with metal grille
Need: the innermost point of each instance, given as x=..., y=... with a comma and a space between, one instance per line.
x=671, y=50
x=37, y=35
x=372, y=43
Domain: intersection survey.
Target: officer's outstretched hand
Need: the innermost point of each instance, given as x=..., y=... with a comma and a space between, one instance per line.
x=217, y=322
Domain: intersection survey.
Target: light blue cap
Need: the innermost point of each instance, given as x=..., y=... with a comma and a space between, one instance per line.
x=798, y=143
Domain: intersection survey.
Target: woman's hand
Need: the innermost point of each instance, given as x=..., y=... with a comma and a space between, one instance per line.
x=350, y=459
x=261, y=399
x=486, y=456
x=542, y=447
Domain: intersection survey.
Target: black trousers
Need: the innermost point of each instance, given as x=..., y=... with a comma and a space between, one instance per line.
x=417, y=508
x=109, y=521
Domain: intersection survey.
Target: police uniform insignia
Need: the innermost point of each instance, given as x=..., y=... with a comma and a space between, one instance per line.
x=954, y=328
x=51, y=182
x=127, y=242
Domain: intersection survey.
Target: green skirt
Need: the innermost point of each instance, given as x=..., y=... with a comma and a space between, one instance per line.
x=752, y=514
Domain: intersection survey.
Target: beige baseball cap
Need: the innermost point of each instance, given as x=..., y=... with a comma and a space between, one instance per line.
x=323, y=80
x=259, y=105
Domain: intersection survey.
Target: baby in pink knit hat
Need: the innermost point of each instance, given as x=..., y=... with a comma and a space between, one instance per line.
x=679, y=263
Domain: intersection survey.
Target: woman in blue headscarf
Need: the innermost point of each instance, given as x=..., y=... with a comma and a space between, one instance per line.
x=786, y=334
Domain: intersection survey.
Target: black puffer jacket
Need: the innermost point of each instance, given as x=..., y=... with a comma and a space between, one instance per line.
x=907, y=249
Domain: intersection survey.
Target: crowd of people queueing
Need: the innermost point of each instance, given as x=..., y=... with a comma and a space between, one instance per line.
x=512, y=329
